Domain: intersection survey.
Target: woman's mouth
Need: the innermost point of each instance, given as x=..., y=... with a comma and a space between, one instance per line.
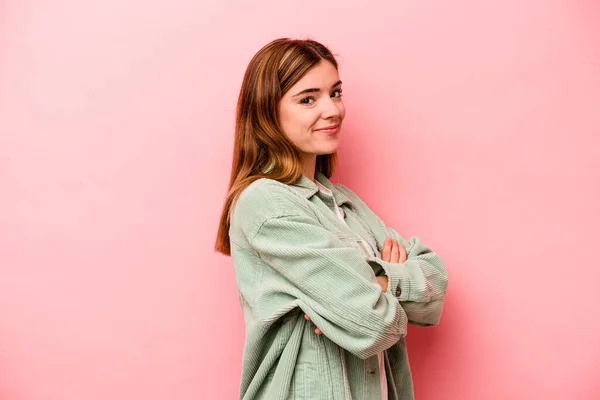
x=328, y=130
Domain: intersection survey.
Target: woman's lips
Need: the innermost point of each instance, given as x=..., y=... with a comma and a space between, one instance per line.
x=328, y=130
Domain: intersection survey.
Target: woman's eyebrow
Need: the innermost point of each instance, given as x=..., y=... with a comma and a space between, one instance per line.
x=315, y=90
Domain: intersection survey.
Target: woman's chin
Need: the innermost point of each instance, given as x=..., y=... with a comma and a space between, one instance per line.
x=326, y=152
x=330, y=149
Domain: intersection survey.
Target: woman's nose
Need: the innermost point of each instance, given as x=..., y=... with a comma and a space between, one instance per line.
x=331, y=109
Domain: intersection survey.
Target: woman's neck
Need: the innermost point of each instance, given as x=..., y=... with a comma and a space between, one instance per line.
x=310, y=164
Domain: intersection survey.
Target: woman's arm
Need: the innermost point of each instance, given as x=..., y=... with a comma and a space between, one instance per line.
x=331, y=283
x=420, y=282
x=307, y=266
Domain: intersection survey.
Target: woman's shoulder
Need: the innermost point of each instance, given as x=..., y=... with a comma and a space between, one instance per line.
x=264, y=199
x=263, y=192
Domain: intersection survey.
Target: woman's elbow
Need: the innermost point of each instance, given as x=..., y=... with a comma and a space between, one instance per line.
x=379, y=337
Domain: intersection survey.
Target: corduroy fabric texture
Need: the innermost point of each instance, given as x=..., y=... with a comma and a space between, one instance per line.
x=293, y=256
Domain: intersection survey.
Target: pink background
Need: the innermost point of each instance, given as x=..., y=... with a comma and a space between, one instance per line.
x=474, y=125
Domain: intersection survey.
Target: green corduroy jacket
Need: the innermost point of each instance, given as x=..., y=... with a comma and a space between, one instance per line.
x=293, y=256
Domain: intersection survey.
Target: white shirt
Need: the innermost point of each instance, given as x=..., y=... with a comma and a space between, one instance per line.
x=380, y=358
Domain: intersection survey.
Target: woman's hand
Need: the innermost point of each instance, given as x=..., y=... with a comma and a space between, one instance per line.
x=383, y=282
x=392, y=252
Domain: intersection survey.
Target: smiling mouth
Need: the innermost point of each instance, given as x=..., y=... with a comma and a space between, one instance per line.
x=328, y=129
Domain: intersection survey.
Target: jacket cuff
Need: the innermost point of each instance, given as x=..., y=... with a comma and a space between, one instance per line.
x=398, y=278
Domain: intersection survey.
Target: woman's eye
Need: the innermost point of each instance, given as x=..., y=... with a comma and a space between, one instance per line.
x=337, y=93
x=307, y=100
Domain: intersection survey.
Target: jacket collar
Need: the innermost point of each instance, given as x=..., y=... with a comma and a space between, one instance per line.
x=308, y=188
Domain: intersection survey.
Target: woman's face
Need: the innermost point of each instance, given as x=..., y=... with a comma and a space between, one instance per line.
x=312, y=111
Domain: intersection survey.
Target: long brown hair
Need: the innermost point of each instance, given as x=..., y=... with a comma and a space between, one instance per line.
x=261, y=149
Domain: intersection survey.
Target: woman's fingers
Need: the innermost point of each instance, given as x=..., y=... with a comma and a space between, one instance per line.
x=395, y=253
x=403, y=255
x=387, y=250
x=317, y=330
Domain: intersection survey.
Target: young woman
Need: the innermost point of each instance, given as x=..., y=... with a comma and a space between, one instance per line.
x=306, y=251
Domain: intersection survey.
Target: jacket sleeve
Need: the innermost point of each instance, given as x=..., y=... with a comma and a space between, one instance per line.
x=420, y=282
x=331, y=283
x=297, y=263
